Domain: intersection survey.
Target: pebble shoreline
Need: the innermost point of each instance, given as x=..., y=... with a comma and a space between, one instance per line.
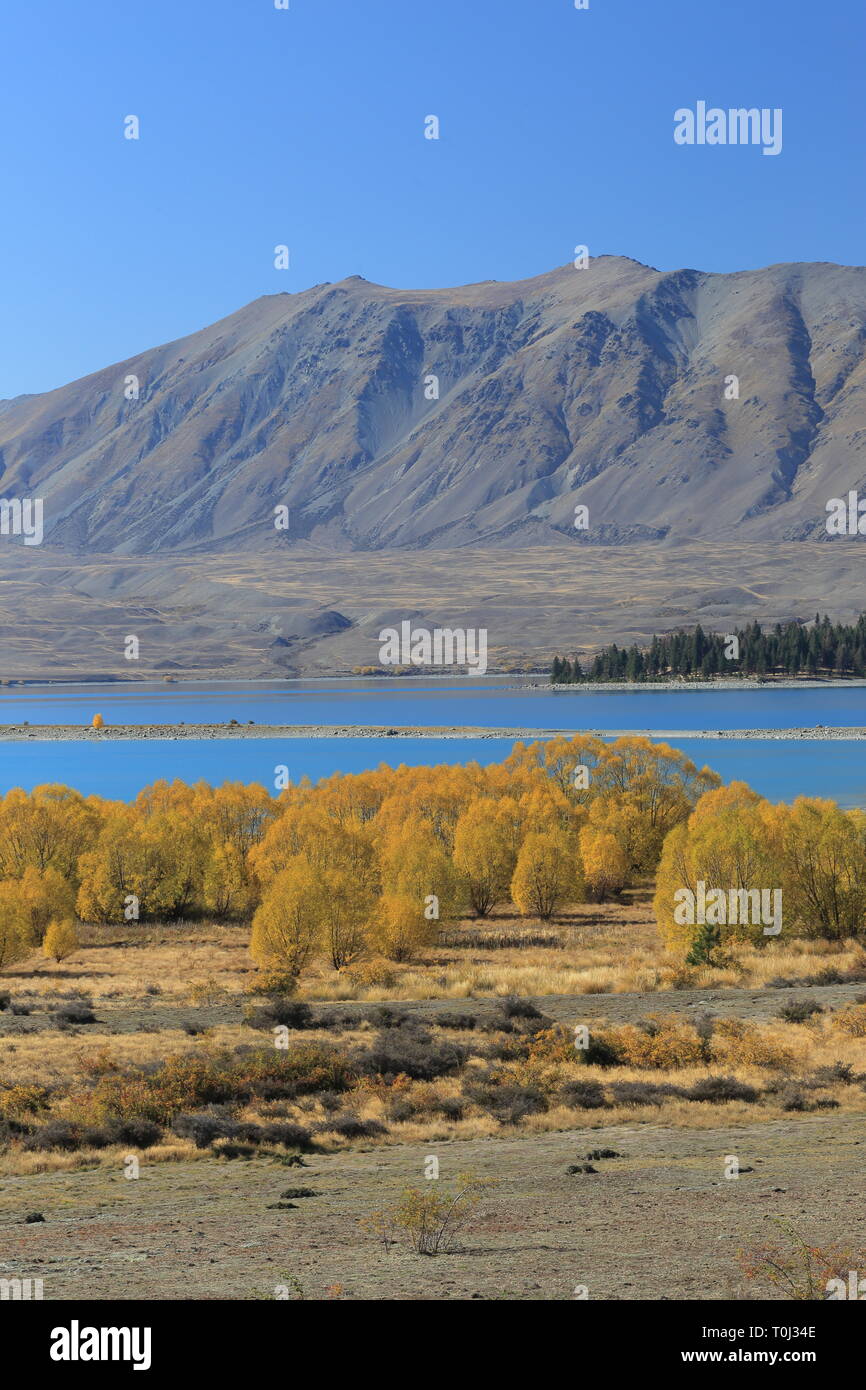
x=117, y=733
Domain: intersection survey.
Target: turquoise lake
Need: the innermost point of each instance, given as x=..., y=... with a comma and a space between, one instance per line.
x=780, y=769
x=480, y=703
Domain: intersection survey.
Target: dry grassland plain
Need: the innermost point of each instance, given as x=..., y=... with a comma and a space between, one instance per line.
x=610, y=1171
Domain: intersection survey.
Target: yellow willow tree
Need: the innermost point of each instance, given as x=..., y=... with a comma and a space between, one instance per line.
x=330, y=905
x=354, y=799
x=162, y=796
x=821, y=856
x=658, y=782
x=218, y=827
x=234, y=814
x=400, y=926
x=420, y=889
x=571, y=763
x=346, y=902
x=516, y=777
x=545, y=807
x=286, y=928
x=305, y=827
x=178, y=852
x=726, y=845
x=158, y=859
x=547, y=874
x=44, y=896
x=228, y=886
x=435, y=795
x=630, y=828
x=61, y=940
x=15, y=943
x=48, y=828
x=485, y=852
x=605, y=863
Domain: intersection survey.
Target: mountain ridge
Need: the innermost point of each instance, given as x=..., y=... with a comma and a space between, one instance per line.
x=603, y=387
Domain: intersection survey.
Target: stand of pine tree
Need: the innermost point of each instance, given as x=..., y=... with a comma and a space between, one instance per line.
x=792, y=649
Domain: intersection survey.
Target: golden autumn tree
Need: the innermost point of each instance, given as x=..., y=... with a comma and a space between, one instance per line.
x=660, y=785
x=15, y=943
x=347, y=871
x=179, y=849
x=630, y=828
x=347, y=902
x=287, y=924
x=436, y=795
x=302, y=827
x=727, y=846
x=232, y=820
x=412, y=860
x=49, y=827
x=420, y=889
x=354, y=799
x=400, y=928
x=571, y=764
x=485, y=853
x=228, y=886
x=546, y=807
x=604, y=861
x=159, y=859
x=111, y=871
x=235, y=813
x=675, y=871
x=547, y=874
x=61, y=940
x=44, y=895
x=821, y=856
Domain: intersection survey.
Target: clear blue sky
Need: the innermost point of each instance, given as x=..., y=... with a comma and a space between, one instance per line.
x=305, y=127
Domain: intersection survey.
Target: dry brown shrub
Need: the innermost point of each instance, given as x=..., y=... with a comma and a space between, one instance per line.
x=666, y=1043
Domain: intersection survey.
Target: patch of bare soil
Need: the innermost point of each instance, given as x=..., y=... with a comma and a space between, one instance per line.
x=659, y=1222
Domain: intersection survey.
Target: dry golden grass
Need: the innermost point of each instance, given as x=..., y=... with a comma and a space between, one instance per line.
x=203, y=974
x=623, y=957
x=778, y=1053
x=18, y=1163
x=611, y=948
x=126, y=962
x=57, y=1059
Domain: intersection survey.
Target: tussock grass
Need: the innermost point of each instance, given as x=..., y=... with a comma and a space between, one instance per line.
x=146, y=983
x=18, y=1163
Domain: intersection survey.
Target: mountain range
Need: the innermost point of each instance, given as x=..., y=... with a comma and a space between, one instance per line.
x=478, y=416
x=261, y=497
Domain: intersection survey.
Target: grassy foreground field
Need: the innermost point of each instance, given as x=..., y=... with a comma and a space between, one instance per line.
x=661, y=1222
x=466, y=1055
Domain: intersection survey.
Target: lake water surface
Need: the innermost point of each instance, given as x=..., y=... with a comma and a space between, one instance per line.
x=779, y=769
x=479, y=703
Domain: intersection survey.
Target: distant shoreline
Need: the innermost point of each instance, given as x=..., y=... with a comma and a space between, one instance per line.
x=528, y=680
x=119, y=733
x=729, y=683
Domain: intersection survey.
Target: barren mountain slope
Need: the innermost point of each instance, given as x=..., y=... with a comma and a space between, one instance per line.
x=603, y=386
